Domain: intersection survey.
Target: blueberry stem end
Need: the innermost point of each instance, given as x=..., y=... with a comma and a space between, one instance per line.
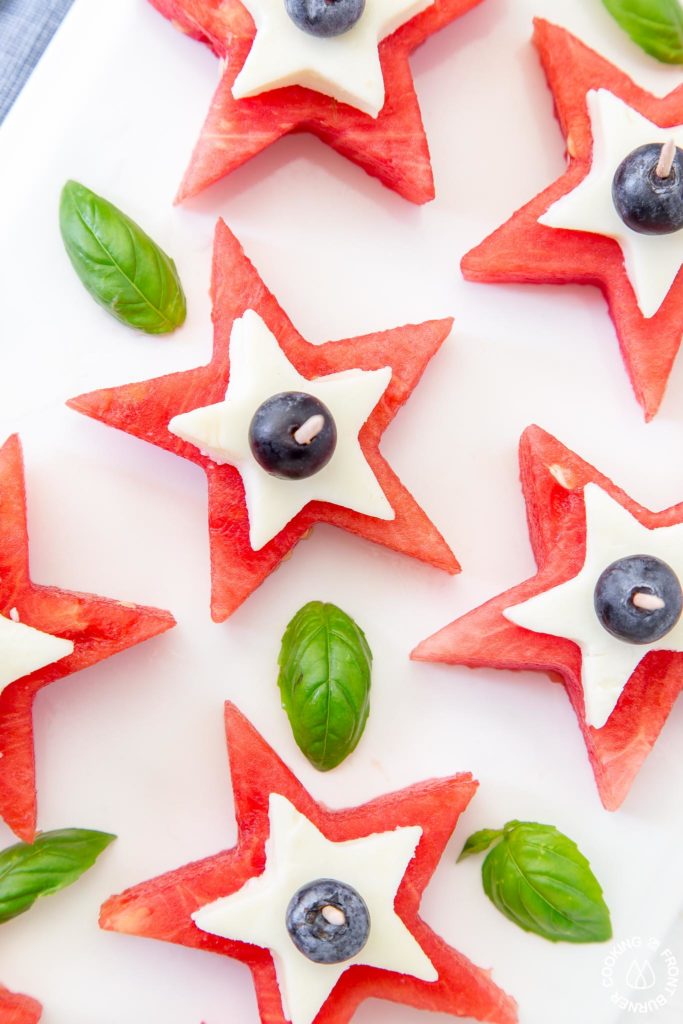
x=666, y=159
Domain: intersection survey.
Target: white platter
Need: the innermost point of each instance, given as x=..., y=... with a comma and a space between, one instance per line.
x=135, y=745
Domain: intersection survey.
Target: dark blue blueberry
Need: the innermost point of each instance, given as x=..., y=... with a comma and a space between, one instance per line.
x=325, y=17
x=645, y=202
x=272, y=441
x=312, y=924
x=616, y=589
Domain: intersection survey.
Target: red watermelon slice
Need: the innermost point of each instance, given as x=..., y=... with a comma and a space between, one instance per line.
x=98, y=628
x=15, y=1009
x=484, y=638
x=161, y=908
x=525, y=251
x=392, y=147
x=145, y=410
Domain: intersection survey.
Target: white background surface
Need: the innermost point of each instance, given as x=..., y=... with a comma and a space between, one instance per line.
x=135, y=745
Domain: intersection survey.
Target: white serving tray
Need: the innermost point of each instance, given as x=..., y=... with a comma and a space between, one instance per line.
x=135, y=745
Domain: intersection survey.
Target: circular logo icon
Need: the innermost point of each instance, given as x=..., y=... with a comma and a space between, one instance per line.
x=640, y=975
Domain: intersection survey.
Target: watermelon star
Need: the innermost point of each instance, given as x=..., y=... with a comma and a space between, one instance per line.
x=189, y=413
x=391, y=146
x=571, y=231
x=235, y=903
x=580, y=523
x=16, y=1009
x=45, y=634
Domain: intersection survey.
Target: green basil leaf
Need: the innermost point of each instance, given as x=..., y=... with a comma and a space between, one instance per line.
x=655, y=25
x=325, y=665
x=479, y=841
x=541, y=881
x=120, y=265
x=53, y=861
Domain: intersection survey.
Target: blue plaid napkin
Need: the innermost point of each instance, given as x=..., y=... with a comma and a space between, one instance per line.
x=26, y=27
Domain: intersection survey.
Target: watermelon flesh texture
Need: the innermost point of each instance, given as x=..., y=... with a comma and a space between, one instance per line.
x=145, y=410
x=161, y=908
x=484, y=638
x=392, y=147
x=17, y=1009
x=524, y=251
x=98, y=627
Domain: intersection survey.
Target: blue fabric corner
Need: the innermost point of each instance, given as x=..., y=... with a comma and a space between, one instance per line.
x=26, y=27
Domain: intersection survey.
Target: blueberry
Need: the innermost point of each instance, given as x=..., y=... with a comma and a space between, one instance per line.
x=274, y=444
x=620, y=584
x=328, y=921
x=325, y=17
x=645, y=202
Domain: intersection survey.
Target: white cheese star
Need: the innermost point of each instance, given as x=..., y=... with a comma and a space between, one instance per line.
x=297, y=854
x=652, y=261
x=567, y=610
x=24, y=649
x=259, y=369
x=346, y=67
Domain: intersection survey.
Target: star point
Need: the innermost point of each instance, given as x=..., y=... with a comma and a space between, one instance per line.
x=18, y=1009
x=24, y=649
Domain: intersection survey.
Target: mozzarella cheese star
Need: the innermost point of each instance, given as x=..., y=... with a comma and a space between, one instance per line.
x=346, y=67
x=24, y=649
x=652, y=261
x=567, y=610
x=297, y=853
x=259, y=369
